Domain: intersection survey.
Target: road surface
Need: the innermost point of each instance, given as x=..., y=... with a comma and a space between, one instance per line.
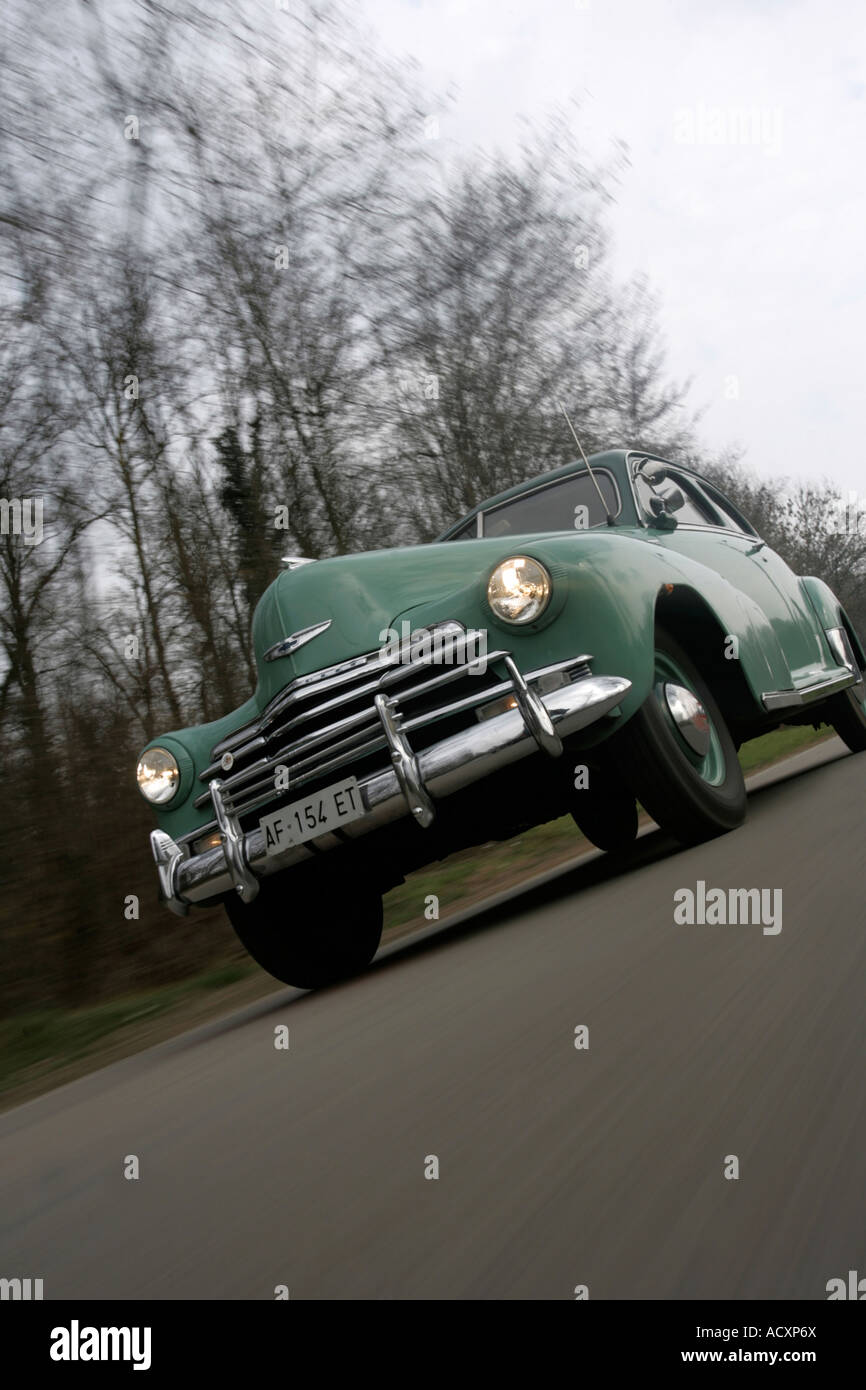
x=557, y=1167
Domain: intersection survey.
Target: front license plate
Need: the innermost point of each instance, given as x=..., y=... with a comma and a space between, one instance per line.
x=329, y=809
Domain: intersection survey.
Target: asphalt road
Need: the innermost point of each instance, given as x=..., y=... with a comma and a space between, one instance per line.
x=557, y=1167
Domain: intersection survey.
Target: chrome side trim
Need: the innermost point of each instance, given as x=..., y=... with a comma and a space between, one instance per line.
x=444, y=768
x=233, y=848
x=807, y=695
x=168, y=856
x=405, y=762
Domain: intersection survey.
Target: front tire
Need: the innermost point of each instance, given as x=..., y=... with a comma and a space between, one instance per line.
x=309, y=932
x=677, y=753
x=605, y=810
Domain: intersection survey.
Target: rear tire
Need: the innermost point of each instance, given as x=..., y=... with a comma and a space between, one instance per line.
x=309, y=932
x=691, y=794
x=847, y=715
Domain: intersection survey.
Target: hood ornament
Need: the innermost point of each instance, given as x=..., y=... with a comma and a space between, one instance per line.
x=293, y=562
x=297, y=639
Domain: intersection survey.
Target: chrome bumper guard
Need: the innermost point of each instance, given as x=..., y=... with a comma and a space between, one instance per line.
x=411, y=786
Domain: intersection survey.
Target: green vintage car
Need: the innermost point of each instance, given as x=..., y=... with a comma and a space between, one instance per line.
x=607, y=633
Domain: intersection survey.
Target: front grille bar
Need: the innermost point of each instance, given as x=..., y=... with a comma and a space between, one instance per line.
x=405, y=764
x=535, y=716
x=322, y=737
x=385, y=669
x=383, y=727
x=392, y=722
x=245, y=881
x=257, y=781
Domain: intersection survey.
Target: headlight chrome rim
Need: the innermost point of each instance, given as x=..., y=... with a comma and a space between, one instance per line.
x=158, y=776
x=519, y=590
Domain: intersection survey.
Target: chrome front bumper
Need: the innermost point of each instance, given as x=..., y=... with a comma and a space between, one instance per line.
x=413, y=784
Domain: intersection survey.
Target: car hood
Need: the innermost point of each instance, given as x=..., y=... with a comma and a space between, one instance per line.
x=363, y=596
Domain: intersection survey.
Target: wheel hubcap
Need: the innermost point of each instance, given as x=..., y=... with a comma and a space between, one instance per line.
x=690, y=717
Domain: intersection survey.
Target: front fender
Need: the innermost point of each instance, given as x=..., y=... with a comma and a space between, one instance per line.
x=608, y=589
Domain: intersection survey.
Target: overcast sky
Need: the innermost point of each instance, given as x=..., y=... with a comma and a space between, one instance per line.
x=745, y=202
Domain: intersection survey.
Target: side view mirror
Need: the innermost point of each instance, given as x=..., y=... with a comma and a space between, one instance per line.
x=663, y=507
x=654, y=472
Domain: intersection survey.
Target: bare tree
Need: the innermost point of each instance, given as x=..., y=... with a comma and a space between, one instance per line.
x=507, y=306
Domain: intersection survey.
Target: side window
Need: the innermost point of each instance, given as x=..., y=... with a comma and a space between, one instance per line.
x=467, y=532
x=694, y=511
x=733, y=519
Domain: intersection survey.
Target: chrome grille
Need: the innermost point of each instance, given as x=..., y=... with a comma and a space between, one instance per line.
x=327, y=722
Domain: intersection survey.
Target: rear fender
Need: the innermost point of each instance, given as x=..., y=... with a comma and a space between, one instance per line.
x=830, y=614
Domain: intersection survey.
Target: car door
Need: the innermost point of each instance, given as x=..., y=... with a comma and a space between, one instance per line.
x=710, y=531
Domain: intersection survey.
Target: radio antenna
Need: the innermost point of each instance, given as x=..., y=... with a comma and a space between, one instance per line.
x=607, y=510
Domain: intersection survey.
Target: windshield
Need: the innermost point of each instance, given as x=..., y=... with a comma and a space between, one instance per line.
x=571, y=504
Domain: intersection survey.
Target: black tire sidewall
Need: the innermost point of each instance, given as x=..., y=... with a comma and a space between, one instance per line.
x=845, y=714
x=309, y=939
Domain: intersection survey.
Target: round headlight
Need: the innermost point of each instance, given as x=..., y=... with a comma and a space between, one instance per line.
x=519, y=590
x=158, y=775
